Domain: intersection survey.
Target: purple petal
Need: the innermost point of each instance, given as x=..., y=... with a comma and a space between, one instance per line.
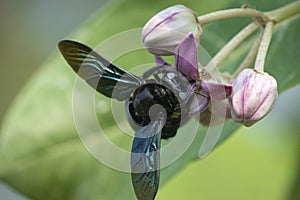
x=186, y=57
x=199, y=103
x=159, y=60
x=217, y=91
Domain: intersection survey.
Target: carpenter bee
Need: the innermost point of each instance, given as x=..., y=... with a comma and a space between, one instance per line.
x=156, y=106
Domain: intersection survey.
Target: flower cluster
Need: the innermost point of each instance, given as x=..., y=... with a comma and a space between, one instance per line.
x=246, y=97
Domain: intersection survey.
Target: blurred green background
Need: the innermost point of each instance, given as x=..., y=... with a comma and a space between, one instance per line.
x=261, y=162
x=29, y=32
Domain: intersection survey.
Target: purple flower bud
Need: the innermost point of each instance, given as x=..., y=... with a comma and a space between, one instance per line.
x=253, y=96
x=164, y=31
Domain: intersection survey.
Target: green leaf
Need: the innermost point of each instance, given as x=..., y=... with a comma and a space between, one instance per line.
x=41, y=153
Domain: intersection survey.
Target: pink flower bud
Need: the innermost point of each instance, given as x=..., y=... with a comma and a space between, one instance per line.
x=164, y=31
x=253, y=96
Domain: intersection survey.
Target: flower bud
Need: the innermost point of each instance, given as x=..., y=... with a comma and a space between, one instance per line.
x=164, y=31
x=253, y=96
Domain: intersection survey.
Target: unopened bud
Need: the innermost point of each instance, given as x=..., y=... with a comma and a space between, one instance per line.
x=253, y=96
x=164, y=31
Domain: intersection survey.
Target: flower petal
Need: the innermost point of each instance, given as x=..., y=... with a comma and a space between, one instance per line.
x=159, y=60
x=186, y=57
x=217, y=91
x=199, y=103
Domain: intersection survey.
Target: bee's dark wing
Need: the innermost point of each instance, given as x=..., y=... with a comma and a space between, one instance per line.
x=98, y=72
x=145, y=161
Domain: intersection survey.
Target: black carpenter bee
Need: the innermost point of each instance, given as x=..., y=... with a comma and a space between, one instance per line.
x=156, y=104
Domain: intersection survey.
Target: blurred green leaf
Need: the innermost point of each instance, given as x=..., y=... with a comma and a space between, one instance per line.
x=295, y=193
x=41, y=153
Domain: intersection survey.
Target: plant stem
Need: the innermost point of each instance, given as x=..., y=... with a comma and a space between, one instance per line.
x=230, y=46
x=231, y=13
x=262, y=18
x=250, y=56
x=263, y=48
x=277, y=15
x=284, y=12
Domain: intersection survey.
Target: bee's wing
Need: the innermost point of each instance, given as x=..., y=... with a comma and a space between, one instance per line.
x=145, y=161
x=98, y=72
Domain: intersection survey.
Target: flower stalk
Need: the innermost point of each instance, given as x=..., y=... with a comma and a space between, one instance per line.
x=250, y=56
x=263, y=48
x=232, y=13
x=281, y=14
x=267, y=19
x=231, y=45
x=277, y=15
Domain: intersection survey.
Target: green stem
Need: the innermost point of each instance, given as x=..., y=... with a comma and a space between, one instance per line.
x=277, y=15
x=263, y=48
x=250, y=56
x=232, y=13
x=272, y=17
x=230, y=46
x=284, y=12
